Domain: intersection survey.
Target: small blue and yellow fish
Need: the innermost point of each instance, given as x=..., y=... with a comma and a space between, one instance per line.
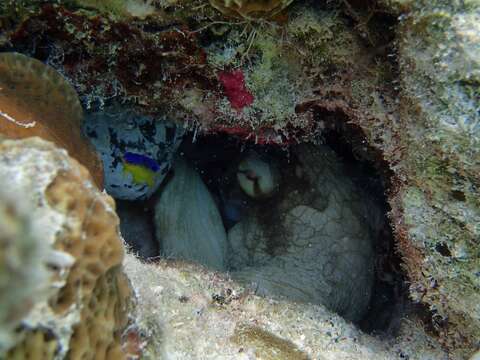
x=142, y=168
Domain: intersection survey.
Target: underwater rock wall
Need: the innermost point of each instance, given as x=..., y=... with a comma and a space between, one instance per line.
x=192, y=66
x=439, y=233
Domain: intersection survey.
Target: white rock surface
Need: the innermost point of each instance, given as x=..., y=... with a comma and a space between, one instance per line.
x=190, y=313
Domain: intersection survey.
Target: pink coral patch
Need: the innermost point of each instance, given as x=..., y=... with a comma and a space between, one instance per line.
x=234, y=86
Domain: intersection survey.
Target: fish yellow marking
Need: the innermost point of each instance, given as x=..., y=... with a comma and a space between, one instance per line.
x=140, y=174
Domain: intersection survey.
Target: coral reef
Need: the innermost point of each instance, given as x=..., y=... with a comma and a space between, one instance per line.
x=193, y=313
x=35, y=100
x=83, y=311
x=396, y=81
x=193, y=72
x=136, y=150
x=19, y=245
x=188, y=223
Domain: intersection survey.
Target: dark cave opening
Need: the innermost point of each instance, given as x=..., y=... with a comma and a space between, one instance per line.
x=216, y=157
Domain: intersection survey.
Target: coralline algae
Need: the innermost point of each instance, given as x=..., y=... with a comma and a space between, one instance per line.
x=235, y=89
x=136, y=150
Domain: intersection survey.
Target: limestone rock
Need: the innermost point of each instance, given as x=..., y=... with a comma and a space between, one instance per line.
x=192, y=313
x=438, y=209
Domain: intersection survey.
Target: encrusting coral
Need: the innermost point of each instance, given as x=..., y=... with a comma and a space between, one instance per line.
x=84, y=310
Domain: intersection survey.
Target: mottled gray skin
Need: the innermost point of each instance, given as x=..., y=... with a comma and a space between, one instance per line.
x=119, y=129
x=188, y=223
x=325, y=228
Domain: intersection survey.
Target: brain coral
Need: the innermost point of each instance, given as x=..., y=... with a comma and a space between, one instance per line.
x=18, y=283
x=83, y=312
x=250, y=9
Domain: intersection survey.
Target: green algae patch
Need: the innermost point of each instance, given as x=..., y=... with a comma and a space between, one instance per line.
x=267, y=346
x=114, y=7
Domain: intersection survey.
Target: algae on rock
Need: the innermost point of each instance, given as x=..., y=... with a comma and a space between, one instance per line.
x=439, y=54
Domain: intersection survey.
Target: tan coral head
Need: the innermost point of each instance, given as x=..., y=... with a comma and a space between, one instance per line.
x=84, y=310
x=250, y=9
x=35, y=100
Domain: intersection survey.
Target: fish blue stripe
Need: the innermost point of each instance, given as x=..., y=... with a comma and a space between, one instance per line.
x=138, y=159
